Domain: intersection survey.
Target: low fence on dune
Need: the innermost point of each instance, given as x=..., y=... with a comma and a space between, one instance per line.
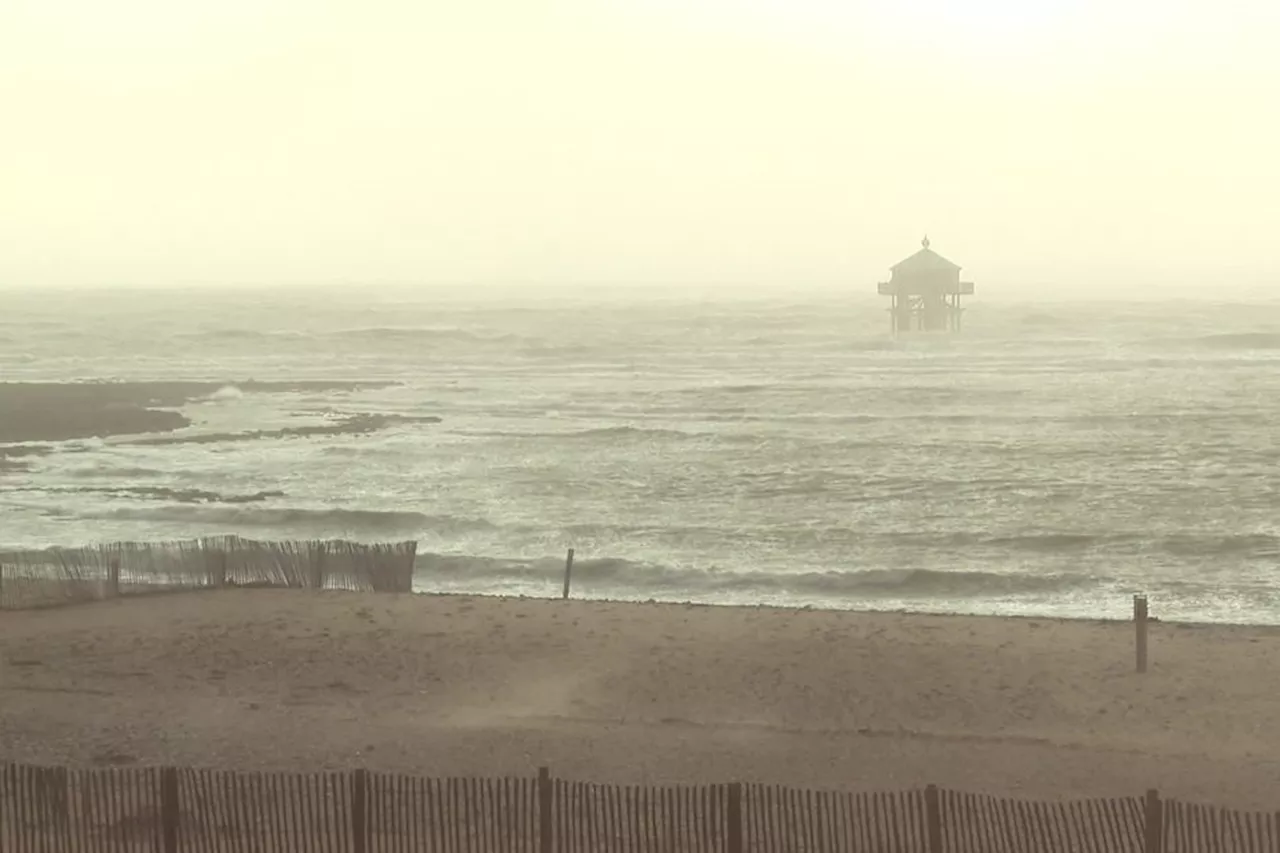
x=64, y=575
x=167, y=810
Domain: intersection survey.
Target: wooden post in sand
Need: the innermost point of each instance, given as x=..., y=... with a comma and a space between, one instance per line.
x=568, y=573
x=113, y=578
x=1140, y=625
x=1154, y=834
x=544, y=810
x=407, y=585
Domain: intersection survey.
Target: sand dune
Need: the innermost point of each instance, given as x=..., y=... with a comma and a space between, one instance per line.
x=644, y=693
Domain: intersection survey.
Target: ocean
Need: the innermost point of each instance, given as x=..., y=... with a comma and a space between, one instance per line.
x=1052, y=459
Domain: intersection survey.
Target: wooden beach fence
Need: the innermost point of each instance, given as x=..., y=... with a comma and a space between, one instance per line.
x=167, y=810
x=54, y=576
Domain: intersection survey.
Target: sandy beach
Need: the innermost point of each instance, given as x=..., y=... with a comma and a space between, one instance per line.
x=644, y=693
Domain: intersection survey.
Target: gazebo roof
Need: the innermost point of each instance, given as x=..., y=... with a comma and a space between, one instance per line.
x=925, y=260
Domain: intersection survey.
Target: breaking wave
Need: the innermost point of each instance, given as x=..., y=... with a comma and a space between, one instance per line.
x=102, y=470
x=226, y=393
x=1242, y=340
x=179, y=495
x=616, y=575
x=637, y=432
x=1260, y=545
x=424, y=335
x=369, y=335
x=1046, y=542
x=1231, y=341
x=358, y=521
x=745, y=388
x=614, y=432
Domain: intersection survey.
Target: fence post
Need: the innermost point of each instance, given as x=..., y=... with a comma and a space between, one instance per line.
x=544, y=810
x=1154, y=842
x=413, y=559
x=1140, y=624
x=169, y=813
x=317, y=565
x=113, y=578
x=733, y=817
x=933, y=817
x=360, y=810
x=568, y=572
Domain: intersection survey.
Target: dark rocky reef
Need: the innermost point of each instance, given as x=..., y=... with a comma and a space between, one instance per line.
x=348, y=425
x=56, y=411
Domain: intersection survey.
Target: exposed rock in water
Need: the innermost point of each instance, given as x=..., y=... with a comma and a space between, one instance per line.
x=61, y=411
x=350, y=425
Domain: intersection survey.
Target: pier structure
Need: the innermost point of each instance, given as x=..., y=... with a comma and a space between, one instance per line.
x=925, y=291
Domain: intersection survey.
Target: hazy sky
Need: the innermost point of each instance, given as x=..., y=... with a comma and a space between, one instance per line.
x=799, y=143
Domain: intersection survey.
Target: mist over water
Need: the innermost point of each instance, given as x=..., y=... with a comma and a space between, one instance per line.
x=1052, y=459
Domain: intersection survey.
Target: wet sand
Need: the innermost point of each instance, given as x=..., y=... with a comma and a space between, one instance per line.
x=644, y=693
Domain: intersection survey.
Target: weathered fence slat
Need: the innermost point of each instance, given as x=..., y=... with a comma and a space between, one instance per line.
x=169, y=811
x=987, y=834
x=933, y=819
x=359, y=811
x=733, y=818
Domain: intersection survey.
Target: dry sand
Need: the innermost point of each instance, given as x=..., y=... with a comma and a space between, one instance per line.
x=264, y=679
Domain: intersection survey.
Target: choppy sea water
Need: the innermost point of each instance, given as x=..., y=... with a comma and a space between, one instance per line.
x=1052, y=459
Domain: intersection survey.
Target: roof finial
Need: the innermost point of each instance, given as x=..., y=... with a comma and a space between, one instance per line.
x=925, y=241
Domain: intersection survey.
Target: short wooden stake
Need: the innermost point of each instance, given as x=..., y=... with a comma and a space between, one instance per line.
x=113, y=578
x=1154, y=834
x=1140, y=625
x=544, y=810
x=568, y=572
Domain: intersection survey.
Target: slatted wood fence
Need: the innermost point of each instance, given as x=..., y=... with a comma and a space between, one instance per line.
x=166, y=810
x=56, y=576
